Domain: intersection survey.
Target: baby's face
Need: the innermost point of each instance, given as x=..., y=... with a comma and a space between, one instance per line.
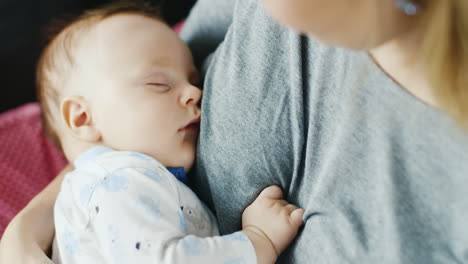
x=139, y=78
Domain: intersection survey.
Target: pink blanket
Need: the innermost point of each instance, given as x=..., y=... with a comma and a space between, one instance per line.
x=28, y=161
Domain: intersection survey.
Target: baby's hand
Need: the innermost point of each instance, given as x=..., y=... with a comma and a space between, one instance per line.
x=273, y=218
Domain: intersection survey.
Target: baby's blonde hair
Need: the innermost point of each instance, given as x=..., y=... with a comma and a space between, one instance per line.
x=58, y=57
x=445, y=53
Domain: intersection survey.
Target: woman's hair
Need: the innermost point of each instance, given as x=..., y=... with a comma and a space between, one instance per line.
x=57, y=60
x=445, y=54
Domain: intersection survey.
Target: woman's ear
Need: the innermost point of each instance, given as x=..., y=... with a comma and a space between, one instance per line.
x=78, y=119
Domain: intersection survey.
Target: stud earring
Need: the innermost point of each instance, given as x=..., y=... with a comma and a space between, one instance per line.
x=408, y=7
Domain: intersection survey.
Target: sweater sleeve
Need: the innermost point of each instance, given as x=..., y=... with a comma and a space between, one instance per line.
x=206, y=26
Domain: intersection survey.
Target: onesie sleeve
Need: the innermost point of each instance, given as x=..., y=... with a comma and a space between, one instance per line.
x=136, y=218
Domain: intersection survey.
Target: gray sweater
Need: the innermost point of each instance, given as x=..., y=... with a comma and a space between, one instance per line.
x=383, y=177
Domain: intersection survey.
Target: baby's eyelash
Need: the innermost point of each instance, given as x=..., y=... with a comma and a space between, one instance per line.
x=162, y=87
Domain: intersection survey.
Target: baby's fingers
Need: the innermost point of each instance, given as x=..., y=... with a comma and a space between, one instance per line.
x=296, y=217
x=271, y=192
x=290, y=208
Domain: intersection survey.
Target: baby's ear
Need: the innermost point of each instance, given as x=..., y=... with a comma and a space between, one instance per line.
x=76, y=114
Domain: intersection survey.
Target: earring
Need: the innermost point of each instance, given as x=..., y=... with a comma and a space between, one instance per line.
x=408, y=7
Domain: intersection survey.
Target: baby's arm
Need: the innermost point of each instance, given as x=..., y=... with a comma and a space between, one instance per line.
x=139, y=220
x=135, y=216
x=29, y=235
x=271, y=223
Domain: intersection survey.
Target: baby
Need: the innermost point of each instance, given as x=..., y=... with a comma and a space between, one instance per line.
x=117, y=87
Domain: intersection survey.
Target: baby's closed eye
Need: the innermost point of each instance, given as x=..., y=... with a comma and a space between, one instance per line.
x=159, y=87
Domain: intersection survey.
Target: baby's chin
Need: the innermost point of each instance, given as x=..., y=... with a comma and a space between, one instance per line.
x=188, y=165
x=183, y=162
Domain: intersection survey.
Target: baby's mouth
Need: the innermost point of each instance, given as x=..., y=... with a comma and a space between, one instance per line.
x=193, y=125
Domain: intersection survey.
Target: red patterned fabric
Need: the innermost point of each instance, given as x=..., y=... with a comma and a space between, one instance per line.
x=28, y=161
x=178, y=27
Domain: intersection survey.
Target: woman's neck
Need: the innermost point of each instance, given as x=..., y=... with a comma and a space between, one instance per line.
x=399, y=58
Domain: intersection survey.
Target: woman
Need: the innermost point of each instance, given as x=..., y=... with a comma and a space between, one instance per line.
x=365, y=132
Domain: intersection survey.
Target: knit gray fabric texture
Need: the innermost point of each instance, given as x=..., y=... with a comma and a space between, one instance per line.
x=383, y=177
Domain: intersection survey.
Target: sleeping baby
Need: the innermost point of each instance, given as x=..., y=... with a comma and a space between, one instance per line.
x=117, y=89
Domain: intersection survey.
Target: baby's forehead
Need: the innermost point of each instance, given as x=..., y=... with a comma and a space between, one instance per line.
x=114, y=30
x=129, y=45
x=123, y=23
x=117, y=42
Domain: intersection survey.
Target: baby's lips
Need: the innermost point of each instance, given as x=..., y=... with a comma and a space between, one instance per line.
x=194, y=123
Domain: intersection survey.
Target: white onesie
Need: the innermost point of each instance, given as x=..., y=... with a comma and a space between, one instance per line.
x=125, y=207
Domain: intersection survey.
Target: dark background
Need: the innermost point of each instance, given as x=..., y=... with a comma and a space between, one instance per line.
x=21, y=22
